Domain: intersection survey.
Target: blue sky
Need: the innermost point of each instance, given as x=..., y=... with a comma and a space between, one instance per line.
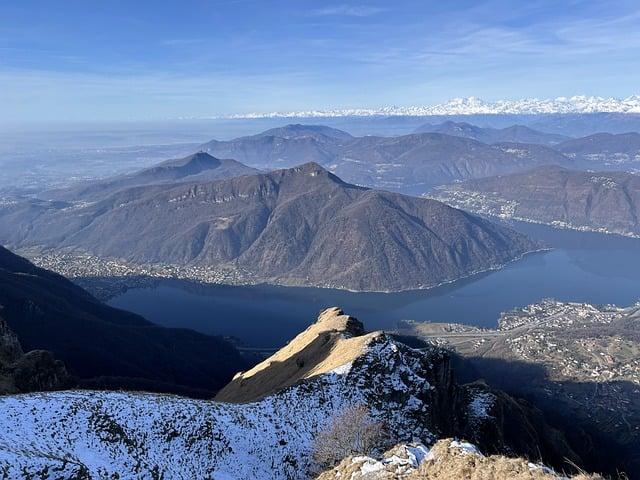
x=69, y=60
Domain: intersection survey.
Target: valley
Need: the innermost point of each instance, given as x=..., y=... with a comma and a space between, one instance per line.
x=581, y=361
x=586, y=267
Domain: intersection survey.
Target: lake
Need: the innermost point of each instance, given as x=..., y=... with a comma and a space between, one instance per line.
x=583, y=267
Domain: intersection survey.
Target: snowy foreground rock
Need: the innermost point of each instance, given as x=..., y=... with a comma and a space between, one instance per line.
x=333, y=364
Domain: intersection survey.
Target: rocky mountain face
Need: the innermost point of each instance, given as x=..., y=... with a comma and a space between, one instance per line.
x=104, y=347
x=605, y=151
x=488, y=135
x=416, y=163
x=593, y=201
x=128, y=435
x=300, y=226
x=36, y=370
x=581, y=363
x=199, y=167
x=409, y=164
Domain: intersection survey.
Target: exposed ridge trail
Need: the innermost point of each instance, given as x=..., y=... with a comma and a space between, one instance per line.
x=332, y=365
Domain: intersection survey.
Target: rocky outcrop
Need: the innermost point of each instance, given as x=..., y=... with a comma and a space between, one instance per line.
x=10, y=349
x=476, y=412
x=333, y=341
x=34, y=371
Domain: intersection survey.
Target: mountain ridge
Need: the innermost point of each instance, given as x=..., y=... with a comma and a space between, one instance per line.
x=512, y=134
x=411, y=163
x=103, y=346
x=607, y=202
x=199, y=166
x=412, y=390
x=297, y=226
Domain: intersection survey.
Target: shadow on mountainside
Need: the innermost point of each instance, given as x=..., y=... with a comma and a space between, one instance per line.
x=600, y=420
x=106, y=347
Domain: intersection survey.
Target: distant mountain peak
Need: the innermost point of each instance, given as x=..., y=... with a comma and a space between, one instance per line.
x=199, y=158
x=475, y=106
x=514, y=133
x=311, y=168
x=298, y=130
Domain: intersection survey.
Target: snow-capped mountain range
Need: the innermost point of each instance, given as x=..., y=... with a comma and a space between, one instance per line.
x=476, y=106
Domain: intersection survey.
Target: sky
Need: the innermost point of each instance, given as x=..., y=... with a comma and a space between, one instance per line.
x=79, y=60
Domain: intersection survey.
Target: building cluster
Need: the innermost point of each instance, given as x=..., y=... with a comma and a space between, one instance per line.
x=106, y=277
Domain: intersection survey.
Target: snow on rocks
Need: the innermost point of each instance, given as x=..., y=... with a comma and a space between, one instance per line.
x=465, y=448
x=479, y=407
x=84, y=434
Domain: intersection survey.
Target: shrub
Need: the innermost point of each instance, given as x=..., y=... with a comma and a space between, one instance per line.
x=352, y=432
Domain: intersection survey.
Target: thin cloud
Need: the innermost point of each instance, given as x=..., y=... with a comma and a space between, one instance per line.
x=347, y=11
x=180, y=42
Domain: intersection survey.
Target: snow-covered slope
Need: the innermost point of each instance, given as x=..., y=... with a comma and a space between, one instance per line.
x=102, y=434
x=332, y=366
x=475, y=106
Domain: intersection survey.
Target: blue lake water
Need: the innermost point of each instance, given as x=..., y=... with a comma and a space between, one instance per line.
x=584, y=267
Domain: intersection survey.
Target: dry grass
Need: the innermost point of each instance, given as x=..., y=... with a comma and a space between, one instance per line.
x=446, y=462
x=333, y=340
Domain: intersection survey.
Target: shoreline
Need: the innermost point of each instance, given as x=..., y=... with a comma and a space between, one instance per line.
x=147, y=279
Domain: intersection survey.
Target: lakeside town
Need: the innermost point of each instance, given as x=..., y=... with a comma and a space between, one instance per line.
x=106, y=278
